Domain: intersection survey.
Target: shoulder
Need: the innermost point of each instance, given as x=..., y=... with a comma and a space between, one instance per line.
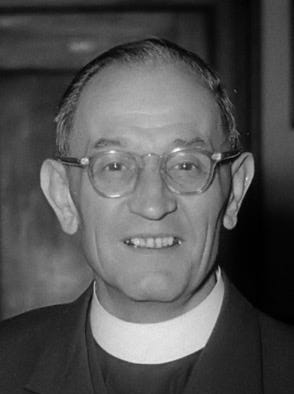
x=274, y=341
x=277, y=341
x=22, y=340
x=274, y=331
x=29, y=328
x=276, y=338
x=46, y=332
x=43, y=321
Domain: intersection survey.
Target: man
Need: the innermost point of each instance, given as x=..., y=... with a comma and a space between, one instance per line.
x=149, y=168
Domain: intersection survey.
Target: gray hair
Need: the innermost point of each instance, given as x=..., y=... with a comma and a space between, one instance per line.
x=141, y=52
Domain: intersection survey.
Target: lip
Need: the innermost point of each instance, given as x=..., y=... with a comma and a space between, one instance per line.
x=151, y=235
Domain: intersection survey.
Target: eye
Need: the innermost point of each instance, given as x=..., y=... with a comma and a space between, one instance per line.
x=115, y=167
x=187, y=166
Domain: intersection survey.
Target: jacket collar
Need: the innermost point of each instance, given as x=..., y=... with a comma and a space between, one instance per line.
x=63, y=363
x=230, y=362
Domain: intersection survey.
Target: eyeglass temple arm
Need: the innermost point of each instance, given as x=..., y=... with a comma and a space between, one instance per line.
x=84, y=161
x=221, y=156
x=73, y=161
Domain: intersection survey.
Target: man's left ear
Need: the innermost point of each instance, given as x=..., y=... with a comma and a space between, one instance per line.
x=242, y=171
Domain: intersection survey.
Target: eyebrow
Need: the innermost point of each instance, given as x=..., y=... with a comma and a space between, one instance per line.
x=192, y=141
x=105, y=142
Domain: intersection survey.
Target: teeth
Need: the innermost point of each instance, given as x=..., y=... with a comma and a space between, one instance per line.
x=153, y=243
x=158, y=242
x=150, y=243
x=136, y=242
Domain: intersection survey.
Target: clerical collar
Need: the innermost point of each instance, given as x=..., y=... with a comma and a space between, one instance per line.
x=157, y=343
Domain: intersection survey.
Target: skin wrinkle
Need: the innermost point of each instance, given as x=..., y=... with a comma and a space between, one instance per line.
x=102, y=143
x=211, y=252
x=99, y=79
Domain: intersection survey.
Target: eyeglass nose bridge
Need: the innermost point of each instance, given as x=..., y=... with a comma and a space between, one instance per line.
x=149, y=155
x=160, y=166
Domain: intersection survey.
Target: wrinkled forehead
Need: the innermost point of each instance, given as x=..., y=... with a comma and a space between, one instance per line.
x=146, y=103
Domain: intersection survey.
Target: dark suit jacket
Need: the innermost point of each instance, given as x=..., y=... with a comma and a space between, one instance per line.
x=44, y=351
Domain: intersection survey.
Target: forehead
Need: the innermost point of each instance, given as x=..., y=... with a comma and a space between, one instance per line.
x=150, y=106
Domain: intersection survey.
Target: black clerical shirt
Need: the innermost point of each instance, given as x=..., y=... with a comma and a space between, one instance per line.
x=111, y=375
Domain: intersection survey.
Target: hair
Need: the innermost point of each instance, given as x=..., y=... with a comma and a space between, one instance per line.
x=141, y=52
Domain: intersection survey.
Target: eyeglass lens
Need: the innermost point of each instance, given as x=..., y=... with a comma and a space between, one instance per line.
x=116, y=173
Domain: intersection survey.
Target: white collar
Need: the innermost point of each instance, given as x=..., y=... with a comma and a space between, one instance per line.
x=156, y=343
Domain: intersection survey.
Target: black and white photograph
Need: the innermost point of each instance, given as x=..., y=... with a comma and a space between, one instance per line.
x=147, y=197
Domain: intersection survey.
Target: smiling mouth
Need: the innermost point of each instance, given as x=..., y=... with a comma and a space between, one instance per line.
x=153, y=242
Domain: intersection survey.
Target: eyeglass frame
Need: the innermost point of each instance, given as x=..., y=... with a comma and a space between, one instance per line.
x=216, y=158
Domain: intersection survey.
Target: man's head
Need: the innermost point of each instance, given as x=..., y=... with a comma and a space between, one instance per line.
x=154, y=245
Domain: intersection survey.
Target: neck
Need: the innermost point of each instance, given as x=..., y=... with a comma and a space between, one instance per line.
x=128, y=309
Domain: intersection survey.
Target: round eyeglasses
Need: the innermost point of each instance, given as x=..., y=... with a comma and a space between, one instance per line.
x=116, y=173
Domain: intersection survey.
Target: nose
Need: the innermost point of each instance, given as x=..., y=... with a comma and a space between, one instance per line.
x=151, y=198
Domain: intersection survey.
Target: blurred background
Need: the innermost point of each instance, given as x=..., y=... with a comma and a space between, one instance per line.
x=44, y=42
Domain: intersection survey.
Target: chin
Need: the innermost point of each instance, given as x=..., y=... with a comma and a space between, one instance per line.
x=156, y=289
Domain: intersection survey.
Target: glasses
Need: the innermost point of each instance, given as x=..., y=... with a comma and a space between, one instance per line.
x=116, y=173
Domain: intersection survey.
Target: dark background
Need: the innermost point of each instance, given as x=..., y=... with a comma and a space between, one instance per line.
x=42, y=45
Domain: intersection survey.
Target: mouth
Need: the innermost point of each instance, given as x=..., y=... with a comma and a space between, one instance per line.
x=153, y=242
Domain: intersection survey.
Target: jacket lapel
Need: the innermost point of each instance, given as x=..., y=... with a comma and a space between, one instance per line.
x=63, y=364
x=231, y=362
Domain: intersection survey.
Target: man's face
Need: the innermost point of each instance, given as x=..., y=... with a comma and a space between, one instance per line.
x=146, y=109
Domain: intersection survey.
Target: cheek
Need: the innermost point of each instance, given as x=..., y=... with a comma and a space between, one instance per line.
x=93, y=208
x=96, y=221
x=204, y=215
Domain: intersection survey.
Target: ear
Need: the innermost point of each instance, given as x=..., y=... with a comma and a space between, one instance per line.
x=54, y=184
x=242, y=171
